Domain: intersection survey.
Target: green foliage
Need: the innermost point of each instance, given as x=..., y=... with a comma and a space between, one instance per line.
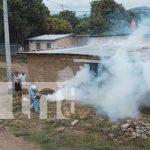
x=70, y=16
x=2, y=72
x=102, y=7
x=83, y=26
x=107, y=15
x=46, y=91
x=56, y=25
x=26, y=18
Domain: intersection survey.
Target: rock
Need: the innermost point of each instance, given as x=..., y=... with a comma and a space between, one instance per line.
x=129, y=122
x=137, y=127
x=114, y=127
x=111, y=136
x=125, y=126
x=139, y=131
x=59, y=129
x=124, y=130
x=143, y=136
x=82, y=117
x=52, y=119
x=67, y=113
x=133, y=135
x=126, y=134
x=148, y=133
x=131, y=129
x=74, y=122
x=120, y=133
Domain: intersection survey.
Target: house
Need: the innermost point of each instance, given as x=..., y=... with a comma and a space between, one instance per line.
x=62, y=64
x=56, y=41
x=59, y=64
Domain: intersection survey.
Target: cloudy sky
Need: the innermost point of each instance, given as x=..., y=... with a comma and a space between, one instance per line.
x=83, y=6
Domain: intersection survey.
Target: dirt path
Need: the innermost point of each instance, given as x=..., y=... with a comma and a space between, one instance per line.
x=10, y=142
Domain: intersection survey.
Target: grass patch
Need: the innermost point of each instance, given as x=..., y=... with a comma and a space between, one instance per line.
x=2, y=72
x=47, y=91
x=88, y=134
x=69, y=141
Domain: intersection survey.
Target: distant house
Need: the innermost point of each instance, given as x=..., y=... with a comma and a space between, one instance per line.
x=56, y=41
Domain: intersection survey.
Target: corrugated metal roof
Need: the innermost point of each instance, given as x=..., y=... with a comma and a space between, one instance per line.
x=106, y=51
x=85, y=50
x=49, y=37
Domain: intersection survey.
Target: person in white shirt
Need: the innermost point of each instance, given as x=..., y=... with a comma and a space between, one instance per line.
x=22, y=76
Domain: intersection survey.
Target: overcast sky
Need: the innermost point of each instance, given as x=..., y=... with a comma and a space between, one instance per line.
x=83, y=6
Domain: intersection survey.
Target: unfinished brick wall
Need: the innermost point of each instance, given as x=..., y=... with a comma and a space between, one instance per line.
x=46, y=68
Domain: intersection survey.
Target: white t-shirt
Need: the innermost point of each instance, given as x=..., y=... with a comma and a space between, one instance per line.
x=22, y=77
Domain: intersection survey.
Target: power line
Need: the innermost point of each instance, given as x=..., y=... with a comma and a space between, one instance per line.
x=65, y=6
x=61, y=5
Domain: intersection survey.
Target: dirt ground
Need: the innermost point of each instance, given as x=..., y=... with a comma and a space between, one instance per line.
x=90, y=132
x=9, y=142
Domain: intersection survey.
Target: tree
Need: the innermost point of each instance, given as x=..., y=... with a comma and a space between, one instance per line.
x=26, y=18
x=108, y=15
x=57, y=26
x=84, y=26
x=70, y=16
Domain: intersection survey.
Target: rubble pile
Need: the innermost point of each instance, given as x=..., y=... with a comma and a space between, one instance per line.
x=130, y=130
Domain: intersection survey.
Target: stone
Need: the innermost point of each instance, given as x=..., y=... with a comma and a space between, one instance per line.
x=111, y=136
x=125, y=126
x=74, y=122
x=137, y=127
x=115, y=127
x=82, y=117
x=126, y=134
x=52, y=119
x=139, y=131
x=129, y=122
x=134, y=135
x=148, y=127
x=131, y=129
x=143, y=136
x=59, y=129
x=124, y=129
x=148, y=133
x=67, y=113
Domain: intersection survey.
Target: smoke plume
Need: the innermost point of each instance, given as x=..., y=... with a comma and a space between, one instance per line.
x=122, y=85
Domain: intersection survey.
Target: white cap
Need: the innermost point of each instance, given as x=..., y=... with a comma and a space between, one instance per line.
x=33, y=87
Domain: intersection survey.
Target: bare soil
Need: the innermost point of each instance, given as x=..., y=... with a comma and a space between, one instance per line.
x=9, y=142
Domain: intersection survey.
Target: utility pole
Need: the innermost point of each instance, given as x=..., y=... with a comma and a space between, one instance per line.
x=7, y=42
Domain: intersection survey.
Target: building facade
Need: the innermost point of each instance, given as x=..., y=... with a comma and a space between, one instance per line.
x=51, y=42
x=59, y=65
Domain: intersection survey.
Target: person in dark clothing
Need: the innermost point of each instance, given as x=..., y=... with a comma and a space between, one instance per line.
x=17, y=84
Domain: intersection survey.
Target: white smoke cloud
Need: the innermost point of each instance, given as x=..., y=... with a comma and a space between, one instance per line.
x=123, y=82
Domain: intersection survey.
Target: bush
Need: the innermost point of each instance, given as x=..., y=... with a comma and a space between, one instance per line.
x=46, y=91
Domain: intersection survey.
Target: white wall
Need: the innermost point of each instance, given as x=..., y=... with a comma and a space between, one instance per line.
x=60, y=43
